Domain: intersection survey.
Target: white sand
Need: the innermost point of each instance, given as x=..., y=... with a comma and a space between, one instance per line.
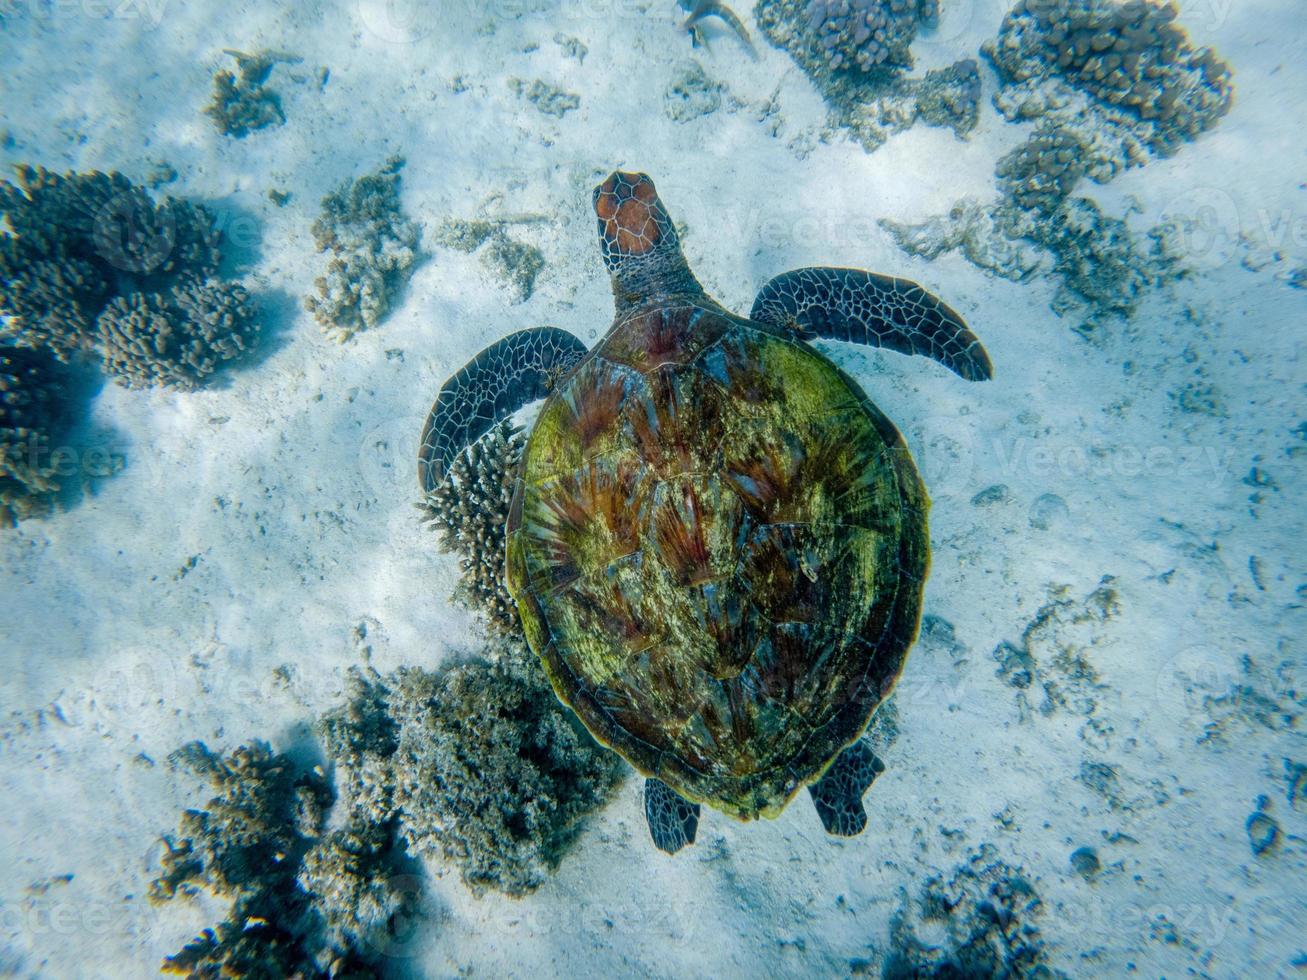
x=293, y=484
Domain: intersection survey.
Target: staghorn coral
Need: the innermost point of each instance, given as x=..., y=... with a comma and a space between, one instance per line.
x=1123, y=76
x=32, y=394
x=373, y=249
x=179, y=338
x=477, y=763
x=95, y=266
x=242, y=102
x=470, y=510
x=303, y=904
x=857, y=52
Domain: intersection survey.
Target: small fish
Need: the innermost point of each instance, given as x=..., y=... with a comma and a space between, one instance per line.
x=700, y=9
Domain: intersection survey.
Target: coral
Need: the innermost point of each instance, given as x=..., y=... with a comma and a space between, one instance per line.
x=1122, y=75
x=984, y=912
x=176, y=339
x=548, y=99
x=94, y=266
x=1041, y=172
x=358, y=891
x=477, y=763
x=691, y=93
x=246, y=845
x=1110, y=85
x=856, y=53
x=470, y=510
x=1103, y=268
x=302, y=904
x=492, y=773
x=242, y=102
x=32, y=394
x=976, y=230
x=867, y=34
x=514, y=263
x=373, y=248
x=949, y=97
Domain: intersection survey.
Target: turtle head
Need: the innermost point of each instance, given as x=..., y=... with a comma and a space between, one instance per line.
x=638, y=241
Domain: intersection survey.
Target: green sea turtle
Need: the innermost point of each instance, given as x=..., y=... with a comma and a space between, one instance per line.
x=717, y=544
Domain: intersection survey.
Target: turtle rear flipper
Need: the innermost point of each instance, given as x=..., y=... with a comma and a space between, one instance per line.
x=866, y=308
x=673, y=820
x=493, y=385
x=838, y=794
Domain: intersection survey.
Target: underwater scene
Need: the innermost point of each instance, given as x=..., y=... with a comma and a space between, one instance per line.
x=653, y=488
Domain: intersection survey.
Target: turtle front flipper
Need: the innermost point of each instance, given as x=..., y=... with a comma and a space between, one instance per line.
x=866, y=308
x=838, y=794
x=673, y=820
x=497, y=382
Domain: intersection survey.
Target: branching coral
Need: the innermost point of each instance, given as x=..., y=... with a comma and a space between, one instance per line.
x=176, y=339
x=1122, y=75
x=856, y=53
x=242, y=102
x=470, y=510
x=31, y=412
x=867, y=34
x=373, y=249
x=1110, y=84
x=93, y=265
x=478, y=763
x=303, y=904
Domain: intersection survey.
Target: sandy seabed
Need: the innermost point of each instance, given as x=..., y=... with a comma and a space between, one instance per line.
x=213, y=588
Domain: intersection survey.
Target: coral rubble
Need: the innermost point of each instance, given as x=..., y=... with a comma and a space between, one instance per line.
x=32, y=393
x=984, y=913
x=547, y=99
x=514, y=263
x=373, y=250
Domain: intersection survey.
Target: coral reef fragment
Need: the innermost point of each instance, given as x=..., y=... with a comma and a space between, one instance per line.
x=372, y=248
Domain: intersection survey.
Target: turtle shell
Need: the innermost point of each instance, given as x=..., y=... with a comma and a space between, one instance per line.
x=718, y=547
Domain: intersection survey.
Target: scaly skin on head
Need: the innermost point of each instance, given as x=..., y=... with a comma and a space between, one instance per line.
x=639, y=245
